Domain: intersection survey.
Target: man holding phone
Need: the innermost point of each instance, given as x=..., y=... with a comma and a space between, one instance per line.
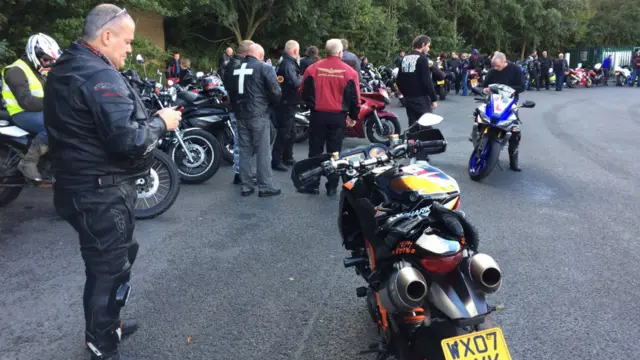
x=101, y=140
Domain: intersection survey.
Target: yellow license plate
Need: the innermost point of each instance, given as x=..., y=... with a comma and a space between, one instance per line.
x=440, y=82
x=474, y=82
x=487, y=344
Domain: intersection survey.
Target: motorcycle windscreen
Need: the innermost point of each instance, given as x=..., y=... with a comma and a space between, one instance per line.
x=305, y=165
x=456, y=296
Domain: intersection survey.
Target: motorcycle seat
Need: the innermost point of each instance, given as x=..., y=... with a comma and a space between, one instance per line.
x=189, y=96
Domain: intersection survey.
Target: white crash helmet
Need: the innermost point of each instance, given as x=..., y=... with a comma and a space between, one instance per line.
x=597, y=66
x=40, y=45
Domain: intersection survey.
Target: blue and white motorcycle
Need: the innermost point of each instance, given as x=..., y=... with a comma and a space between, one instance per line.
x=494, y=122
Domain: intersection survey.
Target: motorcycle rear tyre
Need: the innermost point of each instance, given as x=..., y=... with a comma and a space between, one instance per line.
x=9, y=194
x=443, y=93
x=225, y=137
x=492, y=160
x=172, y=195
x=302, y=136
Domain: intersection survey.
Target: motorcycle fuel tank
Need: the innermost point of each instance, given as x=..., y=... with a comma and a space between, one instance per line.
x=420, y=180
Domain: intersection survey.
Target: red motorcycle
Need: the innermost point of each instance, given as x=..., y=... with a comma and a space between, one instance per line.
x=474, y=78
x=373, y=120
x=578, y=76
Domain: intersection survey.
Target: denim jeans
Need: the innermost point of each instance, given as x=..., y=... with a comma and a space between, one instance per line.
x=32, y=122
x=465, y=85
x=236, y=154
x=636, y=77
x=559, y=81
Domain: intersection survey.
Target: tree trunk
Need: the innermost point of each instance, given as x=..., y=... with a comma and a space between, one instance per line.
x=455, y=23
x=524, y=48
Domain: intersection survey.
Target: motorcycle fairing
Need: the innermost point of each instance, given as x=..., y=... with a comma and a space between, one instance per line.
x=13, y=131
x=498, y=109
x=357, y=216
x=14, y=134
x=456, y=296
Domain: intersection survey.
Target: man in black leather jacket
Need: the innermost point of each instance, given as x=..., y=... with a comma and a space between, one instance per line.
x=290, y=78
x=229, y=83
x=101, y=140
x=254, y=92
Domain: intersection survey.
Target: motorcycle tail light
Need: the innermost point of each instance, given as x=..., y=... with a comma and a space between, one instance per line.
x=457, y=207
x=441, y=264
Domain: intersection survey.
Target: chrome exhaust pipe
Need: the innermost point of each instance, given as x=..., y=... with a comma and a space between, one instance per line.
x=404, y=290
x=485, y=272
x=301, y=118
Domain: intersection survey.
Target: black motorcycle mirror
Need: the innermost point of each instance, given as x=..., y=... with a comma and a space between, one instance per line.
x=528, y=104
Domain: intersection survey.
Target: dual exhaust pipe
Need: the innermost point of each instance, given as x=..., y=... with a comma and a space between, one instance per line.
x=485, y=272
x=406, y=287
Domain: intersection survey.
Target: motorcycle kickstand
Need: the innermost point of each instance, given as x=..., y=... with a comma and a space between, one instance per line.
x=500, y=167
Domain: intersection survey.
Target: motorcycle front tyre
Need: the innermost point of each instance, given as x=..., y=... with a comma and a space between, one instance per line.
x=492, y=160
x=217, y=151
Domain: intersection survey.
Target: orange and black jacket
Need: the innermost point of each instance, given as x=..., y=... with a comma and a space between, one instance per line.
x=331, y=85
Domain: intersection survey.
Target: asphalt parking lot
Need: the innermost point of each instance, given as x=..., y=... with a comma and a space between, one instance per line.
x=220, y=276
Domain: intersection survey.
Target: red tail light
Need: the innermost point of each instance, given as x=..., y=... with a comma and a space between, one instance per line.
x=457, y=207
x=440, y=264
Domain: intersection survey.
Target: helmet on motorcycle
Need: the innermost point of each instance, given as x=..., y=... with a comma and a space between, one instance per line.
x=42, y=51
x=597, y=66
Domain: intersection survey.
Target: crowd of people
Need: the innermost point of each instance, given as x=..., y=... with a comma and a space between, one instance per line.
x=101, y=137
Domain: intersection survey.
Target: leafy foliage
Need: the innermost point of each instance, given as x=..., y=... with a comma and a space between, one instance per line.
x=201, y=29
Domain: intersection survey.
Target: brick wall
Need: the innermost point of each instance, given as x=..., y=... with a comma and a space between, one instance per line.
x=149, y=25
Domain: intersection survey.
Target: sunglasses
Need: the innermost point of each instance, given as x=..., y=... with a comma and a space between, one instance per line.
x=123, y=11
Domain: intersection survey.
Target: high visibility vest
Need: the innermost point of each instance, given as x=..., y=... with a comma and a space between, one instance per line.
x=35, y=86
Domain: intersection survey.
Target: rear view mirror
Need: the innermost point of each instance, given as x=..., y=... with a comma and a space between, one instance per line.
x=429, y=119
x=139, y=59
x=528, y=104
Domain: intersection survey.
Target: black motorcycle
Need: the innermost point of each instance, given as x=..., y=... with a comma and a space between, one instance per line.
x=196, y=152
x=303, y=129
x=157, y=190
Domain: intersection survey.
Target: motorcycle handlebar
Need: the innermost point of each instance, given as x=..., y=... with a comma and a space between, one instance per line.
x=398, y=151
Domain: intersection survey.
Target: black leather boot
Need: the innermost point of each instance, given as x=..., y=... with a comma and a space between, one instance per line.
x=513, y=162
x=104, y=345
x=514, y=146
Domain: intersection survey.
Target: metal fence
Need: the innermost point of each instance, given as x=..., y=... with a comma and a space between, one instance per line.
x=589, y=56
